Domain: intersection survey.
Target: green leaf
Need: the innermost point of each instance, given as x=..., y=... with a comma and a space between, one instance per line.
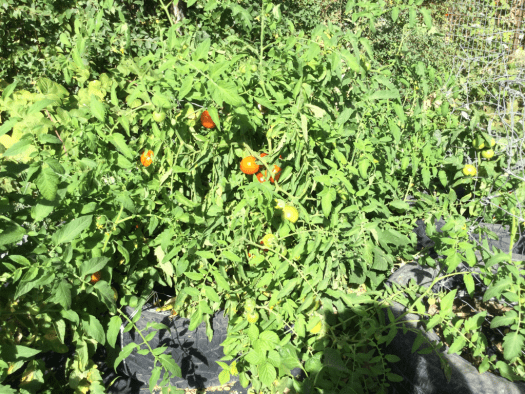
x=304, y=127
x=223, y=283
x=446, y=302
x=289, y=285
x=212, y=294
x=425, y=174
x=380, y=260
x=469, y=283
x=49, y=139
x=270, y=338
x=496, y=259
x=201, y=52
x=332, y=359
x=72, y=230
x=11, y=234
x=231, y=256
x=399, y=205
x=363, y=168
x=169, y=363
x=187, y=84
x=93, y=265
x=475, y=322
x=394, y=377
x=47, y=182
x=252, y=332
x=426, y=17
x=62, y=294
x=267, y=373
x=154, y=378
x=224, y=377
x=327, y=200
x=19, y=148
x=120, y=143
x=512, y=345
x=97, y=108
x=384, y=95
x=254, y=357
x=94, y=329
x=16, y=352
x=452, y=262
x=161, y=101
x=442, y=175
x=457, y=345
x=274, y=358
x=395, y=13
x=350, y=60
x=195, y=320
x=39, y=106
x=344, y=116
x=228, y=92
x=215, y=116
x=497, y=288
x=8, y=125
x=8, y=90
x=508, y=319
x=113, y=330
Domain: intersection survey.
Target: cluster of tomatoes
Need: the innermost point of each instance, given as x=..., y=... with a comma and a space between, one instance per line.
x=249, y=166
x=479, y=144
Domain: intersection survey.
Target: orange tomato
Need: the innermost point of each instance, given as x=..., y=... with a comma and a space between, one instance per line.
x=206, y=120
x=147, y=158
x=249, y=166
x=95, y=277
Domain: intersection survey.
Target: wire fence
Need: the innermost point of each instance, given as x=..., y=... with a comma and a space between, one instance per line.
x=489, y=65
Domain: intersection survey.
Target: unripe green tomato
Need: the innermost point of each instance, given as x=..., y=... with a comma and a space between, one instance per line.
x=34, y=309
x=159, y=116
x=367, y=65
x=136, y=103
x=252, y=317
x=242, y=69
x=249, y=305
x=253, y=68
x=478, y=143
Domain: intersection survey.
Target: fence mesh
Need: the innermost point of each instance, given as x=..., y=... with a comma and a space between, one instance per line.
x=489, y=65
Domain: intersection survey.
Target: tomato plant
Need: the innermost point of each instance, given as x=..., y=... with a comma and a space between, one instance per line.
x=350, y=131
